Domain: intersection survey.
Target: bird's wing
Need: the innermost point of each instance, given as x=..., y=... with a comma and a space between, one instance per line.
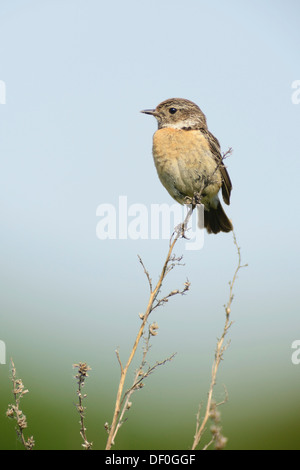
x=216, y=151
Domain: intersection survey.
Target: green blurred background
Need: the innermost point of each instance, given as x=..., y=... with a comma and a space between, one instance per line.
x=71, y=137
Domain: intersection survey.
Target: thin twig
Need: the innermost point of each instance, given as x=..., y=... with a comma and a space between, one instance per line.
x=146, y=272
x=119, y=359
x=16, y=413
x=81, y=375
x=153, y=295
x=220, y=349
x=221, y=161
x=168, y=265
x=139, y=378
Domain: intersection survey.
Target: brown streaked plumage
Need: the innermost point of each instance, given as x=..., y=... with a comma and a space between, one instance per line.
x=188, y=160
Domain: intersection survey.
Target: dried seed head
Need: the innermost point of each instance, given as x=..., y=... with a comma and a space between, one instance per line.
x=221, y=442
x=10, y=411
x=152, y=329
x=30, y=443
x=83, y=369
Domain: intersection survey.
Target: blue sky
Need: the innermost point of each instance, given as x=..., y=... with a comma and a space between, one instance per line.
x=71, y=137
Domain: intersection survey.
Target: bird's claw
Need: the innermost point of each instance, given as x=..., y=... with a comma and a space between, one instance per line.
x=180, y=230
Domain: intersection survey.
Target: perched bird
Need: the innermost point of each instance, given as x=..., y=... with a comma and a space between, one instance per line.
x=188, y=160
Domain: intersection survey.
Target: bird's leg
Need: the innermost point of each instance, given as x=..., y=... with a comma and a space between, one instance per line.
x=187, y=218
x=191, y=203
x=197, y=201
x=181, y=228
x=197, y=198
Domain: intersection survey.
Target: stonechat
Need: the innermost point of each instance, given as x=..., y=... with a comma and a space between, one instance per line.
x=188, y=160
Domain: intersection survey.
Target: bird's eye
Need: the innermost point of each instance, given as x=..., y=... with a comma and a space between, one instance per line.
x=172, y=110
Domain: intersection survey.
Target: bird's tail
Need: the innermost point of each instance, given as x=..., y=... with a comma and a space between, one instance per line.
x=215, y=220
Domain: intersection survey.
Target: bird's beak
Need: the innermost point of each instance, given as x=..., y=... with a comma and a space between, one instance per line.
x=149, y=111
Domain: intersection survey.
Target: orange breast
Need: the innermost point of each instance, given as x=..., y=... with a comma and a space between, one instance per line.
x=183, y=160
x=176, y=143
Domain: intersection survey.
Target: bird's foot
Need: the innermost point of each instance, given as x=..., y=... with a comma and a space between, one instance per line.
x=180, y=230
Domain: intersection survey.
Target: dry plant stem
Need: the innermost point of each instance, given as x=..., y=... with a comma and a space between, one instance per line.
x=178, y=233
x=220, y=349
x=153, y=294
x=82, y=374
x=16, y=413
x=138, y=382
x=224, y=156
x=135, y=381
x=125, y=407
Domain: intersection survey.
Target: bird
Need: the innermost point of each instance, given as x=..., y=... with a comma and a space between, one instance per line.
x=189, y=162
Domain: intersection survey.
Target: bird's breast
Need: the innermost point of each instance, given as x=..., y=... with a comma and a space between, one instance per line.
x=183, y=159
x=179, y=143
